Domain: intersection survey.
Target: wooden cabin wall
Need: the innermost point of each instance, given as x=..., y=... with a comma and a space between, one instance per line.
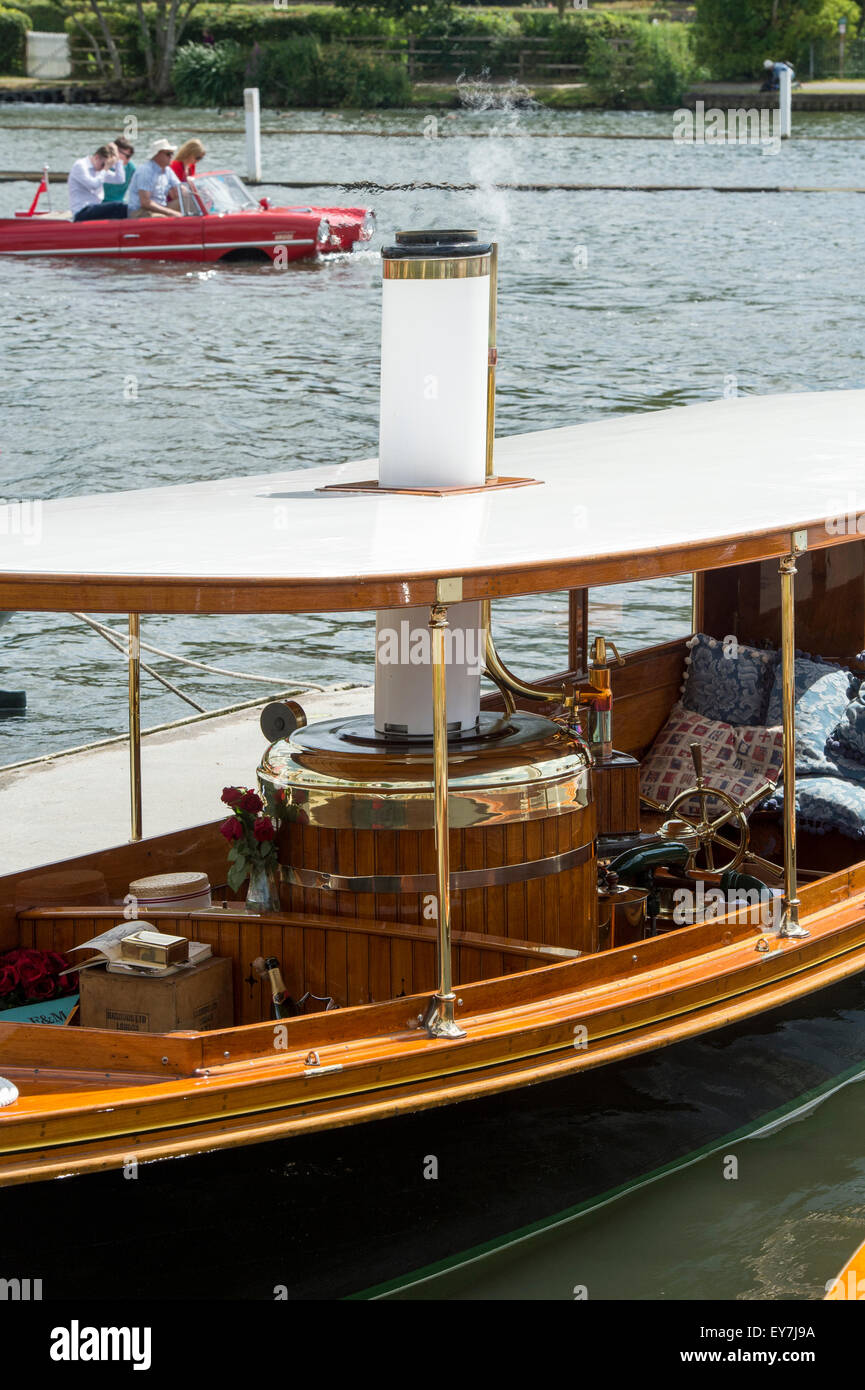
x=644, y=691
x=354, y=962
x=745, y=601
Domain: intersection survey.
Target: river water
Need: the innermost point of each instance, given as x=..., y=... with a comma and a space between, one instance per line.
x=683, y=295
x=609, y=302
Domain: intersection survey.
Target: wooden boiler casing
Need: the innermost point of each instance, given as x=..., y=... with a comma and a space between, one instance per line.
x=357, y=837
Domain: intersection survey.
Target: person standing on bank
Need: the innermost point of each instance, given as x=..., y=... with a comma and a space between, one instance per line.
x=154, y=184
x=773, y=72
x=86, y=185
x=116, y=192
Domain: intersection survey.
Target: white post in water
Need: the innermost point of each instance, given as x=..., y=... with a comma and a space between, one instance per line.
x=252, y=120
x=785, y=102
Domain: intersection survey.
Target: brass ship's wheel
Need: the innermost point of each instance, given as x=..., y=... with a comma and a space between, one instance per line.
x=708, y=831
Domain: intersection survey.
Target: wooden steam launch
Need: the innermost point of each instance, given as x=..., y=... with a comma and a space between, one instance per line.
x=473, y=880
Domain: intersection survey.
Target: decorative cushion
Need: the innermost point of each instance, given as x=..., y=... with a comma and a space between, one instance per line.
x=728, y=681
x=827, y=803
x=736, y=760
x=850, y=733
x=821, y=699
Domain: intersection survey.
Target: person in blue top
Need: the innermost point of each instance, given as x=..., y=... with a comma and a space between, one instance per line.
x=153, y=191
x=116, y=192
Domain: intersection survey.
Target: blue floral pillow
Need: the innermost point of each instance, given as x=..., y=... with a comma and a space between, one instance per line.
x=827, y=803
x=850, y=734
x=728, y=681
x=821, y=700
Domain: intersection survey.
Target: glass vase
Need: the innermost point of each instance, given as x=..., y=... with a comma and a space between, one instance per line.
x=262, y=895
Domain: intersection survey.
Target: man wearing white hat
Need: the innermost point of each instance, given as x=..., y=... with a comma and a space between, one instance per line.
x=154, y=184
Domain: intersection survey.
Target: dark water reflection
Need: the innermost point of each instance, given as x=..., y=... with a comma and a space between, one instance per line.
x=781, y=1229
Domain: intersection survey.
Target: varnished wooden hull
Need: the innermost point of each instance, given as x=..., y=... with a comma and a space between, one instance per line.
x=349, y=1211
x=149, y=1096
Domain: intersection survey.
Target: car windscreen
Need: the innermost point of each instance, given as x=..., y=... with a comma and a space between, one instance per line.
x=223, y=193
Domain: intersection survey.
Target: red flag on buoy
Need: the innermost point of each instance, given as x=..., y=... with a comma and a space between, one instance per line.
x=43, y=188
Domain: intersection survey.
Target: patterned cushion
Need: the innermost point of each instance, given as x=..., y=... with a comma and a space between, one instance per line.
x=821, y=699
x=728, y=681
x=828, y=803
x=737, y=760
x=850, y=733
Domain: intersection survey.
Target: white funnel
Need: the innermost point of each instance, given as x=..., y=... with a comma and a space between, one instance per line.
x=434, y=362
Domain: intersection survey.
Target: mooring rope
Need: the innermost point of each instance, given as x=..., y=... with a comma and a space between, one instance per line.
x=370, y=186
x=121, y=641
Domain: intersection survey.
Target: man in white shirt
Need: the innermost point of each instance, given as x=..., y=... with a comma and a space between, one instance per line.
x=86, y=181
x=154, y=185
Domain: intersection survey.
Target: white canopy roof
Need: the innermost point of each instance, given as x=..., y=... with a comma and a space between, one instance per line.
x=633, y=496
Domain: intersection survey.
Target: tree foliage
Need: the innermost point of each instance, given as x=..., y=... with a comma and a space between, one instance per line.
x=734, y=37
x=401, y=9
x=13, y=41
x=159, y=27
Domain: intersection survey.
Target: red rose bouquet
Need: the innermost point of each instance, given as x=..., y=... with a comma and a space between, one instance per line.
x=250, y=833
x=28, y=976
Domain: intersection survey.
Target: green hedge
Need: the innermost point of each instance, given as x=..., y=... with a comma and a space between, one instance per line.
x=294, y=72
x=205, y=75
x=13, y=42
x=44, y=17
x=653, y=66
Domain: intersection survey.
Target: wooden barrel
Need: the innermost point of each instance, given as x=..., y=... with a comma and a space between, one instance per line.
x=357, y=839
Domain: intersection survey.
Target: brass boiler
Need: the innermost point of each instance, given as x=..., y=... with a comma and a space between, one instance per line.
x=357, y=836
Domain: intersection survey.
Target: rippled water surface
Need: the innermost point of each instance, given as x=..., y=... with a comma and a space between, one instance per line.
x=241, y=368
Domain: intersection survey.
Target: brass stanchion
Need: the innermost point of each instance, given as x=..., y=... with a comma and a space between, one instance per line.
x=790, y=901
x=134, y=661
x=492, y=359
x=439, y=1019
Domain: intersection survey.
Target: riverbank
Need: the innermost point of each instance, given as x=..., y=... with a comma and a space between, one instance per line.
x=564, y=96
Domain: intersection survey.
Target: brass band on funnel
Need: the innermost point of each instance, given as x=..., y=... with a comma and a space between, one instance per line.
x=440, y=268
x=443, y=254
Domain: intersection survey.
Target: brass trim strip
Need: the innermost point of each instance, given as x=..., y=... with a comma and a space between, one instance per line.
x=134, y=682
x=460, y=881
x=436, y=268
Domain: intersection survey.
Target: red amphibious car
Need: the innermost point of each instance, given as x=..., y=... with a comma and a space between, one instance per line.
x=222, y=221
